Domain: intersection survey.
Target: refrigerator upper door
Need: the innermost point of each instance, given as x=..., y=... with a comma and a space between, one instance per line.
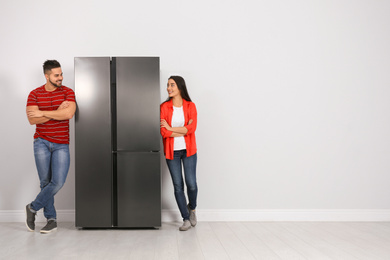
x=138, y=104
x=93, y=142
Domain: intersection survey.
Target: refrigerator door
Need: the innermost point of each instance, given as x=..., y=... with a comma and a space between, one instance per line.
x=93, y=143
x=138, y=104
x=139, y=189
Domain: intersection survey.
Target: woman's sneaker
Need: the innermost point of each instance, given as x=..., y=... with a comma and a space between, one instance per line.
x=193, y=219
x=50, y=226
x=186, y=225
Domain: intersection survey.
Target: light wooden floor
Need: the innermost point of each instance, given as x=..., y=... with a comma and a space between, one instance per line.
x=208, y=240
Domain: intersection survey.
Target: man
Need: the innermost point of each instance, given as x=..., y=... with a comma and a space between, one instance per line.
x=50, y=107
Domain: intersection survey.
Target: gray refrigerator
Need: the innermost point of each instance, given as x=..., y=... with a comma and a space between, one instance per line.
x=117, y=142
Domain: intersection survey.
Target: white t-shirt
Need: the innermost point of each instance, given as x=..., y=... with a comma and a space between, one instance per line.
x=178, y=121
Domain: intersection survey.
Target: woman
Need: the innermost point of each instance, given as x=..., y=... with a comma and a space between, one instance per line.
x=178, y=124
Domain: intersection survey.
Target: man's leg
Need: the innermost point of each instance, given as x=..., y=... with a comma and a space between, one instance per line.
x=60, y=161
x=59, y=166
x=42, y=156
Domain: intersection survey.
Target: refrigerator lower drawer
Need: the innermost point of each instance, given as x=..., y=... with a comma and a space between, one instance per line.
x=138, y=189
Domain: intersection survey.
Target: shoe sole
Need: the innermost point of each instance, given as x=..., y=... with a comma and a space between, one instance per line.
x=184, y=229
x=29, y=229
x=48, y=231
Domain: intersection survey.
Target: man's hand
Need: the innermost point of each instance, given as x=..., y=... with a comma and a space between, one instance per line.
x=38, y=113
x=34, y=113
x=64, y=112
x=63, y=105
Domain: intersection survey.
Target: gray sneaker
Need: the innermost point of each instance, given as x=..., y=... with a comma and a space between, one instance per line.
x=50, y=226
x=186, y=225
x=30, y=219
x=193, y=219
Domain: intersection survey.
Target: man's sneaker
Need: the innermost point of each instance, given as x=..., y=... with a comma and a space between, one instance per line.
x=192, y=216
x=30, y=218
x=186, y=225
x=50, y=226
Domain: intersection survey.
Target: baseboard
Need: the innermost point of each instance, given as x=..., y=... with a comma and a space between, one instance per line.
x=237, y=215
x=284, y=215
x=20, y=216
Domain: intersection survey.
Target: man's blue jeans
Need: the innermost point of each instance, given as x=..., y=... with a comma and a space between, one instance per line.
x=52, y=161
x=175, y=168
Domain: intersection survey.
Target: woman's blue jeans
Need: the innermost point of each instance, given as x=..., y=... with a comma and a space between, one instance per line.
x=52, y=161
x=175, y=168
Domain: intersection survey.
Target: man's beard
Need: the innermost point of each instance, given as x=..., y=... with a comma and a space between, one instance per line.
x=55, y=84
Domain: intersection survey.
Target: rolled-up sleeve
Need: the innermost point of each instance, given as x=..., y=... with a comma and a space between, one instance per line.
x=192, y=114
x=163, y=131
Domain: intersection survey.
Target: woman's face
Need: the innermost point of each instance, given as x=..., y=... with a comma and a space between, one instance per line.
x=172, y=89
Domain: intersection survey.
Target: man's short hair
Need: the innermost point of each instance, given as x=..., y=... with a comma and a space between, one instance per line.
x=50, y=64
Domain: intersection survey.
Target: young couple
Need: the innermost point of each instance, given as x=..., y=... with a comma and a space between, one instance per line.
x=50, y=107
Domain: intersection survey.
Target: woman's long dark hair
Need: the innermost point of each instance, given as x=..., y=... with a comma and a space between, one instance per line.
x=181, y=85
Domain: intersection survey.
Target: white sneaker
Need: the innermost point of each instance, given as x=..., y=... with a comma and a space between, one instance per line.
x=186, y=225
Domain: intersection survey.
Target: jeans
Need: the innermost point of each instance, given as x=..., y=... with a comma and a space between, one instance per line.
x=175, y=168
x=52, y=161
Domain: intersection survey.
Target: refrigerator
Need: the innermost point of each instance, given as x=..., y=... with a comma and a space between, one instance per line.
x=117, y=142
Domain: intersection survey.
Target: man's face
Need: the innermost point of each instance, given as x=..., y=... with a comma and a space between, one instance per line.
x=55, y=77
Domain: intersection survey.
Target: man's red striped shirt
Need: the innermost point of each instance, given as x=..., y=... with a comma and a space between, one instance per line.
x=56, y=131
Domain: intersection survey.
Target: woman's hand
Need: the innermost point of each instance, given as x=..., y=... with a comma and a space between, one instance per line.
x=164, y=123
x=176, y=131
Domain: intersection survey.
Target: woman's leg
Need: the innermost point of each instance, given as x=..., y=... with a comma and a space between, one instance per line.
x=189, y=164
x=174, y=167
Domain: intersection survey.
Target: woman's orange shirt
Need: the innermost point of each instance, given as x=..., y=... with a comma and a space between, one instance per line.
x=166, y=112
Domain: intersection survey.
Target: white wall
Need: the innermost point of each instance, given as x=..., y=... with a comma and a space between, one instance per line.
x=292, y=96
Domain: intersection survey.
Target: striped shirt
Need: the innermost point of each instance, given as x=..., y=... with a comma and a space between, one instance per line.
x=56, y=131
